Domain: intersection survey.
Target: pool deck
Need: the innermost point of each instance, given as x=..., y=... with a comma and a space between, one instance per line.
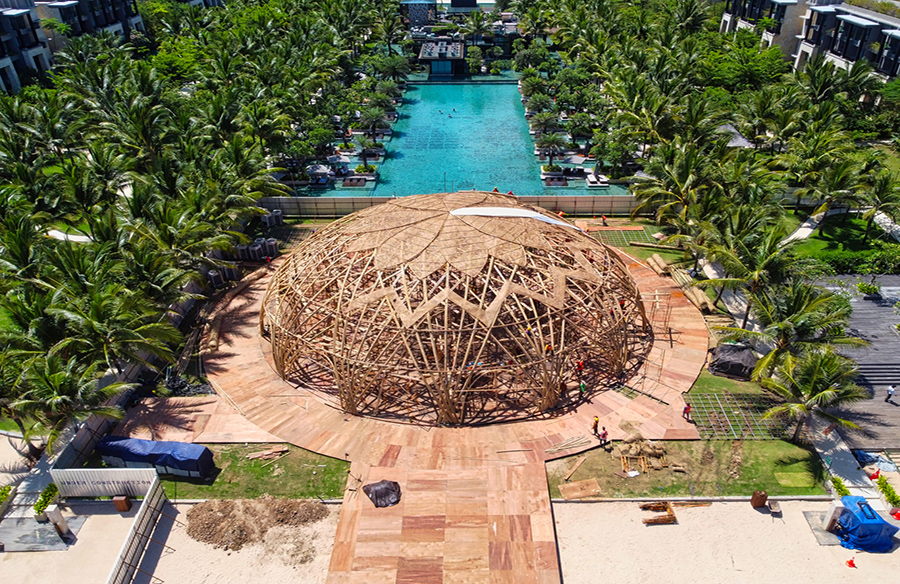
x=475, y=506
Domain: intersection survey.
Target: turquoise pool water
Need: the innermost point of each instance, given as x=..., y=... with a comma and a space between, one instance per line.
x=483, y=144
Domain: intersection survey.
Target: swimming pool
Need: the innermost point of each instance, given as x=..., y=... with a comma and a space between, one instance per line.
x=452, y=137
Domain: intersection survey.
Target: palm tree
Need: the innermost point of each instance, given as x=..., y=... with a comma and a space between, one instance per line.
x=544, y=123
x=553, y=144
x=10, y=370
x=388, y=29
x=113, y=326
x=752, y=262
x=372, y=120
x=839, y=183
x=476, y=25
x=396, y=68
x=811, y=386
x=794, y=319
x=679, y=181
x=882, y=197
x=58, y=392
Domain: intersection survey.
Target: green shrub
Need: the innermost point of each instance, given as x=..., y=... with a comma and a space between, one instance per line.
x=868, y=288
x=46, y=498
x=365, y=168
x=839, y=487
x=4, y=493
x=552, y=168
x=885, y=260
x=889, y=493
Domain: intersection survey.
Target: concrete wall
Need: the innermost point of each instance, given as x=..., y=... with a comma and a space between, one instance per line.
x=331, y=207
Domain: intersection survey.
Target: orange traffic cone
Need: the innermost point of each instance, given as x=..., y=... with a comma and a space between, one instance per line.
x=850, y=563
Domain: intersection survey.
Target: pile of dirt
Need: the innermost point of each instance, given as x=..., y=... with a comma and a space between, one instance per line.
x=737, y=459
x=233, y=524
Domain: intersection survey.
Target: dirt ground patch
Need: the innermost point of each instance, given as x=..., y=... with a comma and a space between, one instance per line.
x=232, y=524
x=710, y=468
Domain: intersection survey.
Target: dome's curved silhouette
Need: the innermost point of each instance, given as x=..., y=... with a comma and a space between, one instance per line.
x=454, y=308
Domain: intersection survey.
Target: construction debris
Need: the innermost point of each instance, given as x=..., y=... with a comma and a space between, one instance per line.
x=574, y=468
x=737, y=459
x=637, y=452
x=269, y=454
x=667, y=519
x=580, y=489
x=691, y=504
x=575, y=442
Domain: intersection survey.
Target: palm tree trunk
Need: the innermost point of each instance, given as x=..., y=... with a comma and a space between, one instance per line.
x=719, y=295
x=746, y=315
x=868, y=228
x=796, y=437
x=33, y=451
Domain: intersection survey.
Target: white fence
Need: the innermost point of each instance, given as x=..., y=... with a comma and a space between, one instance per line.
x=332, y=207
x=141, y=530
x=103, y=482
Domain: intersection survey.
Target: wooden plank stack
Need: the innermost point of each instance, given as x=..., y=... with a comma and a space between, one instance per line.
x=667, y=519
x=269, y=454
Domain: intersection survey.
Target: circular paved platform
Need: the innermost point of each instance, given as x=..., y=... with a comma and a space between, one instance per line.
x=476, y=506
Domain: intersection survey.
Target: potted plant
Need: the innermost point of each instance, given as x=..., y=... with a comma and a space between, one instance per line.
x=49, y=496
x=839, y=487
x=552, y=169
x=869, y=290
x=890, y=496
x=7, y=494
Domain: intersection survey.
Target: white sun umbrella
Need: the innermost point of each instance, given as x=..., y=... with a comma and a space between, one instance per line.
x=338, y=159
x=317, y=169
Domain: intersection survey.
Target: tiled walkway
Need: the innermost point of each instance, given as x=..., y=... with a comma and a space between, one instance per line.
x=475, y=504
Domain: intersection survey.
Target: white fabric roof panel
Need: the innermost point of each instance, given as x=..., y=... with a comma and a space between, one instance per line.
x=856, y=20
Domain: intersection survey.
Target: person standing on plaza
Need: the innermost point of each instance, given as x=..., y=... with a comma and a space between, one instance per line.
x=891, y=390
x=594, y=426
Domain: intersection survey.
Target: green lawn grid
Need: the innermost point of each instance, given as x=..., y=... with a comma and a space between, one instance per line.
x=621, y=238
x=733, y=416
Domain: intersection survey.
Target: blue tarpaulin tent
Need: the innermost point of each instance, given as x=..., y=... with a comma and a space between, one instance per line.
x=860, y=528
x=179, y=458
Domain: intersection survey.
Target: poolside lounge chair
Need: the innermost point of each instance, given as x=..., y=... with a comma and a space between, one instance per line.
x=354, y=181
x=596, y=181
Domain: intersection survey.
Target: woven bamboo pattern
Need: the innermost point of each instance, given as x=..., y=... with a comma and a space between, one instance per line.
x=408, y=312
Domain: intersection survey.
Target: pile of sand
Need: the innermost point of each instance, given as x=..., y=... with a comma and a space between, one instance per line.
x=233, y=524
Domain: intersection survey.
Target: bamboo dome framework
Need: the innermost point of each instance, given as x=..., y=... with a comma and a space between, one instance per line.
x=455, y=308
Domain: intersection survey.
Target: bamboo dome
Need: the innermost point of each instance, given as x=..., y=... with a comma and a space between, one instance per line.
x=455, y=308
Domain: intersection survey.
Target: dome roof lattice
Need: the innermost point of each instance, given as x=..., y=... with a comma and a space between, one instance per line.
x=457, y=308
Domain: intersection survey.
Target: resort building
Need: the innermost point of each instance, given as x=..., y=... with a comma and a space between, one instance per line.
x=787, y=14
x=419, y=12
x=24, y=45
x=90, y=16
x=445, y=56
x=463, y=5
x=842, y=32
x=845, y=34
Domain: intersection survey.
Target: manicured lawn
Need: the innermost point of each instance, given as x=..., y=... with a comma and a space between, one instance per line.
x=889, y=157
x=642, y=253
x=839, y=234
x=8, y=425
x=709, y=383
x=774, y=466
x=793, y=220
x=299, y=475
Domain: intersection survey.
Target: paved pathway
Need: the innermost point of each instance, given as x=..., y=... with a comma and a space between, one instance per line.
x=476, y=505
x=13, y=466
x=836, y=456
